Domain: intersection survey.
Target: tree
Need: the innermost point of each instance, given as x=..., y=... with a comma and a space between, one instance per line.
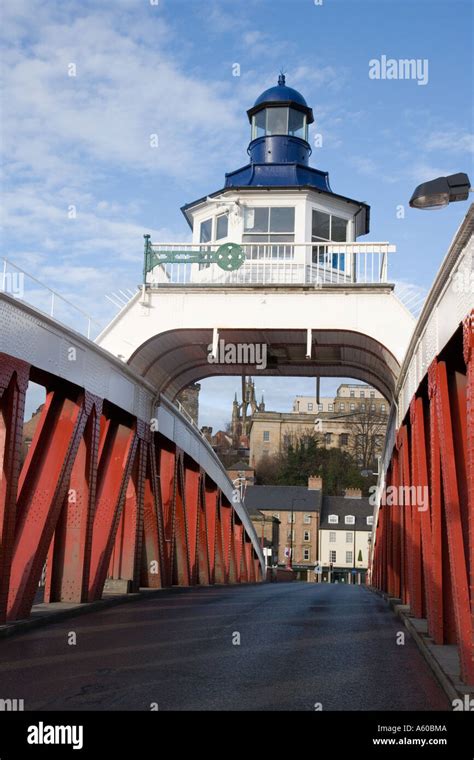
x=368, y=433
x=305, y=456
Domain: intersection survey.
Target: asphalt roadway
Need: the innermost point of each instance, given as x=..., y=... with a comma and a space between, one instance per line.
x=299, y=646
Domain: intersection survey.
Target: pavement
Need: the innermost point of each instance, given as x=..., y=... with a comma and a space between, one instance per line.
x=298, y=646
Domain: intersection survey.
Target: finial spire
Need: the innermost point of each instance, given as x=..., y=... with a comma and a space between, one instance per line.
x=281, y=78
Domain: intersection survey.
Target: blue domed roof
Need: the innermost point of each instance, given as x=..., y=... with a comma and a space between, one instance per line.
x=281, y=92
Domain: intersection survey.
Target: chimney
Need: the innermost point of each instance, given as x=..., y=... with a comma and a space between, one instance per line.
x=315, y=483
x=353, y=493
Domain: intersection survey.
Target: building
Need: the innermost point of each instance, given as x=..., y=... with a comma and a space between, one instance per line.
x=354, y=420
x=297, y=510
x=267, y=528
x=242, y=413
x=294, y=224
x=344, y=537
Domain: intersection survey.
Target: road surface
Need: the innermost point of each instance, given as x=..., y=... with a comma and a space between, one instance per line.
x=301, y=645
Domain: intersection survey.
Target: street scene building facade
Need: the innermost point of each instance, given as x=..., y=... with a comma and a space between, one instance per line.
x=322, y=538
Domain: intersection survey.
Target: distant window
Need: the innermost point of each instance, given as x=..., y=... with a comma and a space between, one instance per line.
x=342, y=406
x=330, y=407
x=290, y=534
x=328, y=439
x=310, y=407
x=352, y=394
x=266, y=435
x=370, y=520
x=332, y=555
x=382, y=407
x=307, y=519
x=349, y=520
x=362, y=394
x=353, y=406
x=349, y=537
x=362, y=407
x=306, y=554
x=344, y=439
x=306, y=536
x=349, y=557
x=372, y=407
x=333, y=519
x=320, y=407
x=222, y=226
x=372, y=394
x=289, y=517
x=332, y=536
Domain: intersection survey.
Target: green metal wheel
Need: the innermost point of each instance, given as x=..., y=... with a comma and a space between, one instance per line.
x=230, y=256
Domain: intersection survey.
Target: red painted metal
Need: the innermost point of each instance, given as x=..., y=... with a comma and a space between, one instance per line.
x=68, y=560
x=468, y=344
x=192, y=490
x=425, y=556
x=98, y=494
x=114, y=471
x=457, y=556
x=14, y=376
x=42, y=489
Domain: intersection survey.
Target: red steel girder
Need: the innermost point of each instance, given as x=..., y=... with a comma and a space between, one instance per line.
x=457, y=557
x=468, y=341
x=153, y=567
x=68, y=563
x=114, y=471
x=43, y=485
x=14, y=375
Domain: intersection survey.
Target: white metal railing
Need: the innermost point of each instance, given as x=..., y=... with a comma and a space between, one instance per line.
x=316, y=263
x=20, y=284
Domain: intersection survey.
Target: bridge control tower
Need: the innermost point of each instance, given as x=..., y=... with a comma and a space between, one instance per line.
x=274, y=258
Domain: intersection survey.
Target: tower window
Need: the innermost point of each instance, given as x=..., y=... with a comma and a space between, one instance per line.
x=205, y=235
x=222, y=226
x=266, y=435
x=279, y=121
x=269, y=225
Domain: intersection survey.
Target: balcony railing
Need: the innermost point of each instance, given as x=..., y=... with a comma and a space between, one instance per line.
x=315, y=263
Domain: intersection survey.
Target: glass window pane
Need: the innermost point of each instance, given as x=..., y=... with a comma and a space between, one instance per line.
x=296, y=123
x=320, y=225
x=281, y=238
x=256, y=220
x=258, y=125
x=222, y=224
x=206, y=231
x=277, y=121
x=338, y=229
x=339, y=261
x=282, y=219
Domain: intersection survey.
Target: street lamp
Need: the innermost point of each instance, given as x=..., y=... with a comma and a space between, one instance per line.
x=440, y=191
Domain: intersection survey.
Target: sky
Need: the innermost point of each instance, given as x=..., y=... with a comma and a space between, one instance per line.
x=86, y=83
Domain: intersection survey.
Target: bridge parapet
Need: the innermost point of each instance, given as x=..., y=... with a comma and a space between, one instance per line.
x=116, y=482
x=423, y=539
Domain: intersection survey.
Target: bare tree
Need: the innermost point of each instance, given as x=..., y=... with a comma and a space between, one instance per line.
x=367, y=435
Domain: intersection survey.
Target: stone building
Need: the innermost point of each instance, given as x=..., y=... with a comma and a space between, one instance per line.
x=355, y=413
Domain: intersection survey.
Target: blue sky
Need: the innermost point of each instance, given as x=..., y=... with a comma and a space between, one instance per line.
x=167, y=69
